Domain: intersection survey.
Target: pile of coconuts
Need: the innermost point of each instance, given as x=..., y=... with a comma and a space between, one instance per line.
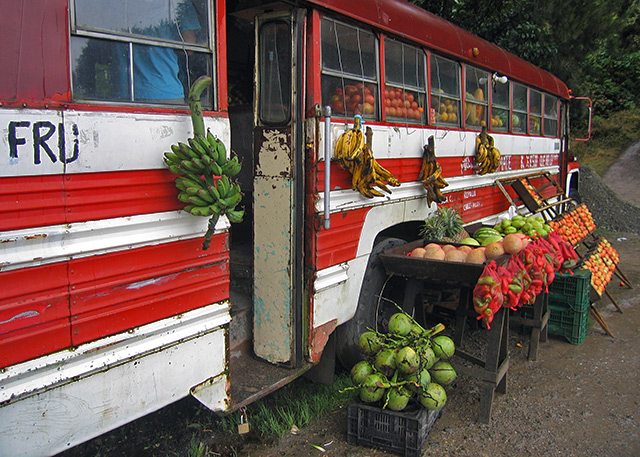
x=408, y=362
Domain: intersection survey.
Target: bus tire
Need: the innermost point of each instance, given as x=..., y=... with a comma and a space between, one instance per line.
x=366, y=315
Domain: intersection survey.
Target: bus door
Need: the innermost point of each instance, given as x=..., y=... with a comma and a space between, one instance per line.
x=278, y=189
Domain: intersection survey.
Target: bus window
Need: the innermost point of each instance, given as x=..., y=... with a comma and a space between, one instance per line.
x=145, y=52
x=500, y=118
x=535, y=112
x=520, y=102
x=405, y=82
x=550, y=115
x=476, y=101
x=349, y=69
x=274, y=86
x=445, y=91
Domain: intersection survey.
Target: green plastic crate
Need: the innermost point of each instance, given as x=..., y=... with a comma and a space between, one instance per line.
x=569, y=320
x=572, y=287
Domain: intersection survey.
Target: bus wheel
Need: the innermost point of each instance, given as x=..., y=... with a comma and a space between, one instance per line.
x=376, y=304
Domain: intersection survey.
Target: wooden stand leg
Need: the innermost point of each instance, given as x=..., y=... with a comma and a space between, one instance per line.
x=613, y=301
x=539, y=331
x=600, y=320
x=496, y=364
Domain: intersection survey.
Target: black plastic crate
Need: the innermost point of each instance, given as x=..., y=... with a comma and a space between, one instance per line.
x=401, y=432
x=572, y=287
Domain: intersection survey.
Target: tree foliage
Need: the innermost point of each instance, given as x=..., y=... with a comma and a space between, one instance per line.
x=593, y=45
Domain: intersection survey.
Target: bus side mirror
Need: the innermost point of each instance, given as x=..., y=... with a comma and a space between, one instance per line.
x=590, y=109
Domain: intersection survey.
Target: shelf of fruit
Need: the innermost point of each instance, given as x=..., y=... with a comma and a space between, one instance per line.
x=575, y=225
x=601, y=260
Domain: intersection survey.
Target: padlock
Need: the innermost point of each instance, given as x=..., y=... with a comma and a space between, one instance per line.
x=243, y=426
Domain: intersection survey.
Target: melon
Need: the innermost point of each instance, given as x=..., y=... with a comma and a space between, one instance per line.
x=434, y=253
x=454, y=255
x=512, y=243
x=418, y=252
x=449, y=247
x=524, y=238
x=470, y=241
x=476, y=256
x=490, y=239
x=494, y=250
x=431, y=245
x=465, y=248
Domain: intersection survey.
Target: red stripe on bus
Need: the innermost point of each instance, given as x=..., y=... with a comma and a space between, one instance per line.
x=340, y=243
x=71, y=303
x=116, y=292
x=34, y=312
x=408, y=170
x=35, y=201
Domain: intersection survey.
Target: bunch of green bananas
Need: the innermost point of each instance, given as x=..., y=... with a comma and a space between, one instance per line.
x=205, y=183
x=487, y=155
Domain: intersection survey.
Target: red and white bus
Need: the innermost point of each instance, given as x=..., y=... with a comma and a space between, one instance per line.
x=109, y=307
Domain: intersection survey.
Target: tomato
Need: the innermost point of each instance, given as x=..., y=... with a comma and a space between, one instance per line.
x=369, y=99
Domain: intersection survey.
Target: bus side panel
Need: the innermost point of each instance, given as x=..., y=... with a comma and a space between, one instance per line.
x=34, y=313
x=34, y=54
x=36, y=201
x=340, y=243
x=92, y=196
x=31, y=201
x=115, y=292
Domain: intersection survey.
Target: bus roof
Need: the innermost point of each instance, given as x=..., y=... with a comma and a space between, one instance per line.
x=413, y=23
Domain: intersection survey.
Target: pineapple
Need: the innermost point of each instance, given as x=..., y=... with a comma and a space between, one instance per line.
x=433, y=229
x=452, y=221
x=445, y=225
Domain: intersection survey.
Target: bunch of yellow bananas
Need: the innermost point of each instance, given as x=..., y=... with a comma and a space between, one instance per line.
x=205, y=173
x=431, y=174
x=487, y=155
x=355, y=155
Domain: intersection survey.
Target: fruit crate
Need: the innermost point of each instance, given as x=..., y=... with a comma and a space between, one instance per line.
x=569, y=320
x=403, y=432
x=572, y=286
x=569, y=300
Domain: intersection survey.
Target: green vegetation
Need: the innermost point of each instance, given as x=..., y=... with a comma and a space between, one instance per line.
x=593, y=46
x=610, y=137
x=296, y=404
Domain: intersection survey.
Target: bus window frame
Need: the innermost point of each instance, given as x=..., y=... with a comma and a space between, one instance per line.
x=259, y=86
x=454, y=97
x=345, y=76
x=386, y=85
x=484, y=104
x=545, y=116
x=209, y=48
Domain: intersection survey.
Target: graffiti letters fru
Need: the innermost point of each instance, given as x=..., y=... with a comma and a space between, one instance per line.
x=48, y=141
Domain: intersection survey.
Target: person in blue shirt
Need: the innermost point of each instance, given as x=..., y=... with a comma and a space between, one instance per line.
x=156, y=70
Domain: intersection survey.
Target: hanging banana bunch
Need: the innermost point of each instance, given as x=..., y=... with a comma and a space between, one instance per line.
x=431, y=174
x=487, y=155
x=356, y=156
x=205, y=182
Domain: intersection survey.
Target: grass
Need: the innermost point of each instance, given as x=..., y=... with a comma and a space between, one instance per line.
x=610, y=137
x=296, y=404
